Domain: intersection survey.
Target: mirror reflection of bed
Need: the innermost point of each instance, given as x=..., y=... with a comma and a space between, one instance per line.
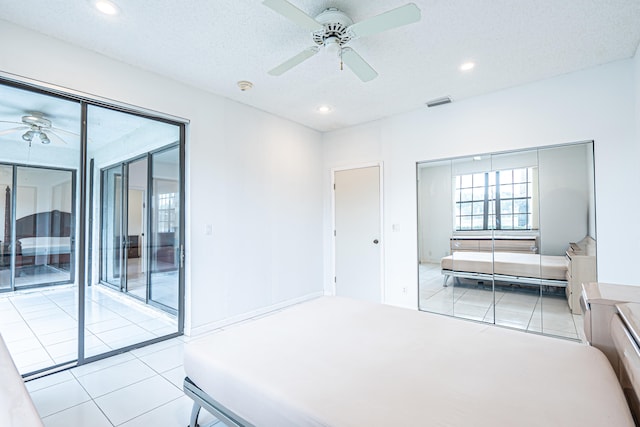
x=506, y=238
x=43, y=248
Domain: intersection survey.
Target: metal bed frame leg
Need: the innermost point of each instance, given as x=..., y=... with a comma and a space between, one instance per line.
x=195, y=411
x=446, y=278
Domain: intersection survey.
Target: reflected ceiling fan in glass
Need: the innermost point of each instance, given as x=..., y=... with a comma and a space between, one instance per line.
x=36, y=126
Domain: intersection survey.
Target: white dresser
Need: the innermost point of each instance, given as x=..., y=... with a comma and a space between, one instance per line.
x=598, y=300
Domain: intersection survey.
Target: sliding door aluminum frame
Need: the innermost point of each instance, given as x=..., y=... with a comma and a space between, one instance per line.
x=72, y=240
x=85, y=100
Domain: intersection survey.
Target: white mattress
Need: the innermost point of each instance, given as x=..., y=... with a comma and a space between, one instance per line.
x=339, y=362
x=33, y=246
x=508, y=264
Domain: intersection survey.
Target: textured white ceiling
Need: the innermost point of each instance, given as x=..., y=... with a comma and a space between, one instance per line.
x=214, y=43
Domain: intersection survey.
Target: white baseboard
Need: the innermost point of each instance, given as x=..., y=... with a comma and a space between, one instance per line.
x=212, y=326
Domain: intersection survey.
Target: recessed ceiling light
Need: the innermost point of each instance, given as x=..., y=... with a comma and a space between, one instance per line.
x=324, y=109
x=467, y=66
x=107, y=7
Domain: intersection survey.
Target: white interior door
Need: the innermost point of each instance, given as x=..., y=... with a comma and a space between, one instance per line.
x=357, y=233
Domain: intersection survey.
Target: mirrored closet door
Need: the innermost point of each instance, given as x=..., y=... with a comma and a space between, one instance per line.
x=494, y=231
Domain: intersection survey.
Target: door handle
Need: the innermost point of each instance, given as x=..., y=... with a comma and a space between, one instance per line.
x=375, y=241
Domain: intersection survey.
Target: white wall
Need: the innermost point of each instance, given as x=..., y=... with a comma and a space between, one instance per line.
x=595, y=104
x=254, y=177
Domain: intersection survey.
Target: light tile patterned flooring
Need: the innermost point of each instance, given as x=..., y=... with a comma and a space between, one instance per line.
x=139, y=388
x=40, y=326
x=143, y=387
x=516, y=308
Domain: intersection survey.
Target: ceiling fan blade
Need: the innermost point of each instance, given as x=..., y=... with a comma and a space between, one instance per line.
x=55, y=137
x=12, y=130
x=292, y=62
x=62, y=131
x=13, y=123
x=403, y=15
x=358, y=65
x=294, y=14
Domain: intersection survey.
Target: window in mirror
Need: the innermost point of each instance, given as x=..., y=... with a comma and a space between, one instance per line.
x=496, y=200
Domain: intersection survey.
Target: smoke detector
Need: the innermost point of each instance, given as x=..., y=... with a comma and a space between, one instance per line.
x=245, y=85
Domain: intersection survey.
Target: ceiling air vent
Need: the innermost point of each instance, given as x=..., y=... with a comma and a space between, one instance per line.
x=438, y=101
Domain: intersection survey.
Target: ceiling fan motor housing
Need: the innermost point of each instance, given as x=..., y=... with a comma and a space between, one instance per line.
x=335, y=23
x=36, y=119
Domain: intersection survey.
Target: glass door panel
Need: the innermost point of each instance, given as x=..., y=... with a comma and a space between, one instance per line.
x=111, y=241
x=471, y=238
x=6, y=247
x=134, y=255
x=567, y=215
x=131, y=309
x=40, y=156
x=517, y=267
x=165, y=229
x=44, y=226
x=435, y=201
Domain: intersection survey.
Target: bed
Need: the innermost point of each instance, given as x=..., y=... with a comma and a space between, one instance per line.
x=44, y=238
x=338, y=362
x=506, y=266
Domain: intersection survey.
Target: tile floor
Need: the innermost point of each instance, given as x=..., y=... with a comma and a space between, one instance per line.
x=139, y=388
x=40, y=326
x=520, y=308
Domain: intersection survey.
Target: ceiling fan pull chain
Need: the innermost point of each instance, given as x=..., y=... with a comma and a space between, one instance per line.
x=341, y=60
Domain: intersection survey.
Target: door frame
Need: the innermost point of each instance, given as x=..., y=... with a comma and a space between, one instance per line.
x=380, y=165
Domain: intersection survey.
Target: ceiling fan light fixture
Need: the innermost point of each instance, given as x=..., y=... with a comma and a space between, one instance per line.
x=28, y=135
x=332, y=45
x=44, y=138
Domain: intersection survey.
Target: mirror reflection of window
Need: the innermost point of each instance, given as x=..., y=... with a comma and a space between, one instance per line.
x=495, y=232
x=495, y=200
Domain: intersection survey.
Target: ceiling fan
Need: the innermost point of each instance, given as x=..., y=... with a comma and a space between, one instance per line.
x=333, y=29
x=35, y=124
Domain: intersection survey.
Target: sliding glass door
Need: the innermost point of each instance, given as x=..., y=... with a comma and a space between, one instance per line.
x=40, y=147
x=145, y=268
x=138, y=194
x=135, y=253
x=38, y=227
x=166, y=252
x=6, y=227
x=44, y=226
x=91, y=228
x=112, y=237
